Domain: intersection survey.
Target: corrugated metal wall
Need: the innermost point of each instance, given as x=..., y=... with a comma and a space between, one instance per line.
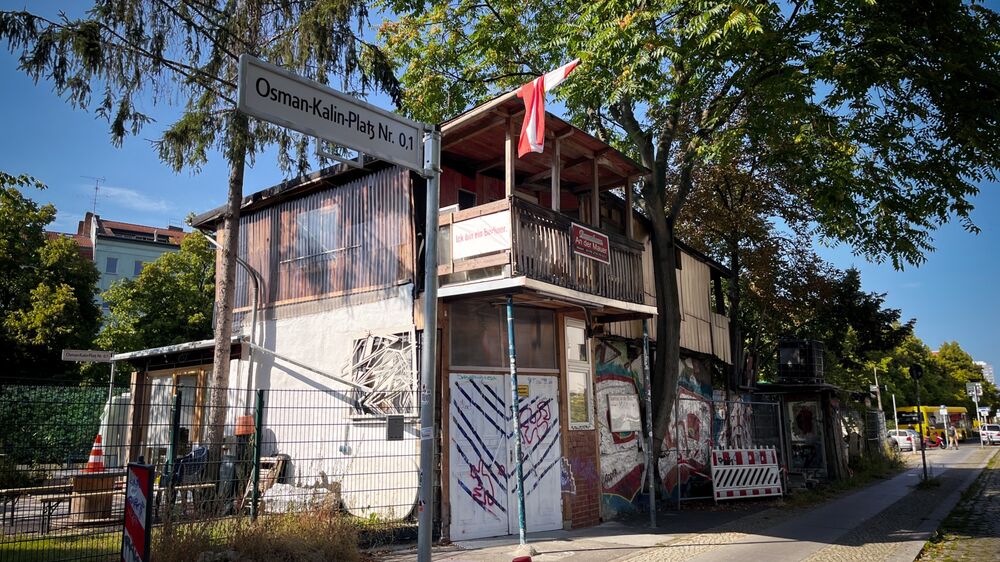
x=350, y=238
x=702, y=330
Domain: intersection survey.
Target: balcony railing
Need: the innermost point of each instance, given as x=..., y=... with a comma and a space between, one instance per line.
x=512, y=237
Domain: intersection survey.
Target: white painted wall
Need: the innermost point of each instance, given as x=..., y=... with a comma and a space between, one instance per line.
x=310, y=417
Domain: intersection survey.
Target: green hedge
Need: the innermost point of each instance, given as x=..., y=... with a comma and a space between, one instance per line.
x=49, y=424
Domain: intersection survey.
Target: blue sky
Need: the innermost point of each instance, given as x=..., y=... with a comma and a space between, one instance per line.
x=953, y=295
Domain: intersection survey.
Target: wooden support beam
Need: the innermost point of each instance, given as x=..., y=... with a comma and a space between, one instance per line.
x=556, y=174
x=509, y=152
x=490, y=165
x=484, y=128
x=595, y=196
x=629, y=213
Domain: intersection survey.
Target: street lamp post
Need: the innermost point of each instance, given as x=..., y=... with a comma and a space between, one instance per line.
x=917, y=371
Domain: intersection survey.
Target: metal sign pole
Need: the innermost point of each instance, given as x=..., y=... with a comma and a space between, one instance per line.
x=516, y=421
x=428, y=363
x=650, y=461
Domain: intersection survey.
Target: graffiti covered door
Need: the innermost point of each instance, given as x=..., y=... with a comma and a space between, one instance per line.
x=539, y=411
x=483, y=493
x=477, y=472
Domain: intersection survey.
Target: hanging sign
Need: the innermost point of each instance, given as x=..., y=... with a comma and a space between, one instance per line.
x=138, y=513
x=273, y=94
x=590, y=243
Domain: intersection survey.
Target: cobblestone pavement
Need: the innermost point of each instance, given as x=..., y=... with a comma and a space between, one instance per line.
x=972, y=531
x=878, y=538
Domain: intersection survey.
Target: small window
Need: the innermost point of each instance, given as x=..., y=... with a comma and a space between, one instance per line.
x=111, y=266
x=581, y=399
x=466, y=199
x=318, y=233
x=139, y=264
x=579, y=386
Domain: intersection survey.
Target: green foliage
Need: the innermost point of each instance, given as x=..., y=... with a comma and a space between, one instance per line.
x=170, y=302
x=49, y=424
x=47, y=293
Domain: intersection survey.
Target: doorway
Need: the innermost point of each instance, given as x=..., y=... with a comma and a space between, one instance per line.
x=482, y=468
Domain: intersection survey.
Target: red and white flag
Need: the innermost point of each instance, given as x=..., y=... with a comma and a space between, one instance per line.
x=533, y=94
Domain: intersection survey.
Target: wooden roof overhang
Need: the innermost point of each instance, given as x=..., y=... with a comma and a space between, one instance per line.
x=474, y=142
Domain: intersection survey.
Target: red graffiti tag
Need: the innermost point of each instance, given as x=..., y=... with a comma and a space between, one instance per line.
x=535, y=422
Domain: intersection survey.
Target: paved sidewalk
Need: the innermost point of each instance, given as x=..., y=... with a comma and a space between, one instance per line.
x=972, y=530
x=888, y=521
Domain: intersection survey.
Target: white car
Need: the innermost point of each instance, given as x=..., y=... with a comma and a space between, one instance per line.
x=905, y=439
x=990, y=433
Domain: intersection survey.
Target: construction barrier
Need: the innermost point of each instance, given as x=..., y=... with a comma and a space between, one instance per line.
x=745, y=473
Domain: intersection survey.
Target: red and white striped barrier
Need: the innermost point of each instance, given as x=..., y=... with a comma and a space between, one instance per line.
x=745, y=473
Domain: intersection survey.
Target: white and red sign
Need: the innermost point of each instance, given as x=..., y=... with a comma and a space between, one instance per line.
x=590, y=243
x=480, y=235
x=138, y=513
x=745, y=473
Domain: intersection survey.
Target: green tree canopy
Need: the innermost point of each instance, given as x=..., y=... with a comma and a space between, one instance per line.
x=170, y=302
x=47, y=290
x=883, y=114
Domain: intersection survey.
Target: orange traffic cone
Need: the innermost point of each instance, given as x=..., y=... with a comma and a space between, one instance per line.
x=96, y=461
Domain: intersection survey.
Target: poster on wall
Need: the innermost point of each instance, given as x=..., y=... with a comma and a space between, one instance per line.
x=138, y=513
x=623, y=409
x=480, y=235
x=804, y=418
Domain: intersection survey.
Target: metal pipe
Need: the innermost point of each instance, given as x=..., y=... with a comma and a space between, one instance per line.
x=257, y=281
x=311, y=369
x=428, y=359
x=650, y=461
x=516, y=420
x=258, y=431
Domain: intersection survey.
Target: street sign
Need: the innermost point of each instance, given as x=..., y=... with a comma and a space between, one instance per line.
x=974, y=389
x=87, y=355
x=984, y=410
x=276, y=95
x=943, y=411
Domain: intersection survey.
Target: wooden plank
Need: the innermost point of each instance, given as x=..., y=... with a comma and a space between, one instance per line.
x=501, y=258
x=480, y=129
x=509, y=148
x=478, y=211
x=629, y=212
x=556, y=175
x=595, y=196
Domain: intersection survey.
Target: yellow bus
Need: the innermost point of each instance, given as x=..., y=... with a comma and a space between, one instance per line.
x=930, y=418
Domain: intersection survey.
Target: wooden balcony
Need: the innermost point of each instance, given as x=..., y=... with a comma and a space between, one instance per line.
x=512, y=237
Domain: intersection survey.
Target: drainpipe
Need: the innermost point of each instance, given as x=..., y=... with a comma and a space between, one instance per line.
x=257, y=281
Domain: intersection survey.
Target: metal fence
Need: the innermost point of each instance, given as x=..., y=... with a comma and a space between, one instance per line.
x=273, y=452
x=698, y=425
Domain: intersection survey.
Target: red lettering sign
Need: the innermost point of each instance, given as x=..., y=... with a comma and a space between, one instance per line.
x=138, y=513
x=591, y=244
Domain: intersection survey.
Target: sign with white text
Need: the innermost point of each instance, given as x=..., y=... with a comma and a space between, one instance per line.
x=273, y=94
x=138, y=513
x=590, y=243
x=480, y=235
x=87, y=355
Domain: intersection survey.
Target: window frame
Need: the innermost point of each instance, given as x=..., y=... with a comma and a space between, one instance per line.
x=586, y=368
x=108, y=267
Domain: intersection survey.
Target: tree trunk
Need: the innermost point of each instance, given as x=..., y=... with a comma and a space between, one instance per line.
x=668, y=322
x=735, y=328
x=219, y=392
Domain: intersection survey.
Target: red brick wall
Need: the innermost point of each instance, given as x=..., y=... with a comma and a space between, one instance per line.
x=585, y=506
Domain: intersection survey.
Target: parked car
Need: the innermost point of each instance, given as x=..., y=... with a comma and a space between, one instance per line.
x=990, y=433
x=905, y=439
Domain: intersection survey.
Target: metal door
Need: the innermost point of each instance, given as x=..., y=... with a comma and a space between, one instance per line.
x=483, y=489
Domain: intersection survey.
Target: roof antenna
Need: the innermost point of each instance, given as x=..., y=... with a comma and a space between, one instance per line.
x=97, y=188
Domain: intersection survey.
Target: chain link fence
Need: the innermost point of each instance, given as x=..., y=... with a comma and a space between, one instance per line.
x=334, y=452
x=698, y=425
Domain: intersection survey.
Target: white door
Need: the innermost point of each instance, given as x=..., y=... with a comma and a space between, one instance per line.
x=541, y=451
x=477, y=476
x=482, y=479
